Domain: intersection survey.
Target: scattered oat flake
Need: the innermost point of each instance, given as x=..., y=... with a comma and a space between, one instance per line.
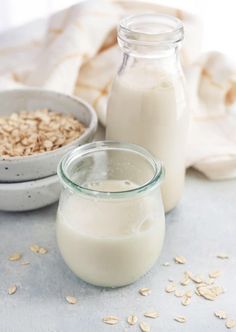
x=71, y=299
x=230, y=323
x=197, y=292
x=188, y=273
x=132, y=319
x=144, y=291
x=180, y=319
x=207, y=293
x=170, y=288
x=210, y=281
x=15, y=257
x=12, y=290
x=217, y=290
x=152, y=314
x=35, y=248
x=220, y=314
x=166, y=264
x=38, y=250
x=144, y=327
x=42, y=251
x=185, y=281
x=111, y=320
x=25, y=263
x=179, y=293
x=222, y=256
x=197, y=279
x=189, y=293
x=186, y=300
x=180, y=259
x=214, y=274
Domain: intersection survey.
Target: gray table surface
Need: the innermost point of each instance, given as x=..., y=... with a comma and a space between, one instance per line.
x=202, y=226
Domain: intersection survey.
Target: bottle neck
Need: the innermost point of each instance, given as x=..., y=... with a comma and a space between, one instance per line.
x=165, y=59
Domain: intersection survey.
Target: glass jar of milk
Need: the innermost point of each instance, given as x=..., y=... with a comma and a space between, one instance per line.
x=147, y=104
x=110, y=220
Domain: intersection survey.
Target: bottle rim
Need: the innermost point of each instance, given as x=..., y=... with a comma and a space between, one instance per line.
x=150, y=29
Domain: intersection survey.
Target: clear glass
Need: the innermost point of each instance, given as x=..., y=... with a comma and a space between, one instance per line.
x=147, y=104
x=110, y=220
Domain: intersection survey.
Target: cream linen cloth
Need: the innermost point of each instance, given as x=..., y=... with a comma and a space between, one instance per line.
x=74, y=51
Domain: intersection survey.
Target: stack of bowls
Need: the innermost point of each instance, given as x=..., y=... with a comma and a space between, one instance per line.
x=30, y=182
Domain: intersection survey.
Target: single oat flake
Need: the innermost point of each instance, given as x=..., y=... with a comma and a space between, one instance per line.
x=71, y=299
x=15, y=257
x=220, y=314
x=166, y=264
x=152, y=314
x=214, y=274
x=230, y=323
x=38, y=250
x=111, y=320
x=170, y=288
x=144, y=291
x=222, y=256
x=180, y=319
x=12, y=290
x=185, y=280
x=197, y=292
x=132, y=319
x=42, y=251
x=25, y=263
x=180, y=259
x=144, y=327
x=210, y=293
x=197, y=279
x=35, y=248
x=188, y=293
x=186, y=300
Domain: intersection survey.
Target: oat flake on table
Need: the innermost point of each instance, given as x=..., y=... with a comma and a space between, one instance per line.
x=132, y=319
x=15, y=257
x=71, y=299
x=220, y=314
x=110, y=320
x=144, y=291
x=230, y=323
x=12, y=290
x=152, y=314
x=171, y=287
x=180, y=319
x=180, y=259
x=144, y=327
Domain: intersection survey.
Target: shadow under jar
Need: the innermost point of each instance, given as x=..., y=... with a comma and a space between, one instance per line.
x=110, y=220
x=147, y=104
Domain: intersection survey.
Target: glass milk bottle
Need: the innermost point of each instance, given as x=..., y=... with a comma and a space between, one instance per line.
x=147, y=104
x=110, y=220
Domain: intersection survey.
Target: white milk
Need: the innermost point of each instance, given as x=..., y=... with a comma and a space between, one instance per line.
x=110, y=242
x=147, y=107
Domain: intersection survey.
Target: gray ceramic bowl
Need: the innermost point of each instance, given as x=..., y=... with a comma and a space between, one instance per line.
x=29, y=195
x=17, y=169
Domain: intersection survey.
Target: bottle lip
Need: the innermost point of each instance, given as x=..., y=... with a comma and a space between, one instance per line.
x=93, y=148
x=150, y=29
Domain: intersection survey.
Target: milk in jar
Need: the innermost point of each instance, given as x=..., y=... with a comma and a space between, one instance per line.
x=110, y=220
x=147, y=104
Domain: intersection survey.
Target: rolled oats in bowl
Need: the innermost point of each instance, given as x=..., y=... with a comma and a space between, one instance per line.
x=27, y=133
x=37, y=127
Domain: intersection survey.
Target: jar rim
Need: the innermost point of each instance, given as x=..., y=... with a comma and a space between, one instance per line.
x=148, y=29
x=98, y=146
